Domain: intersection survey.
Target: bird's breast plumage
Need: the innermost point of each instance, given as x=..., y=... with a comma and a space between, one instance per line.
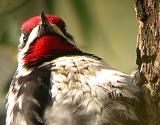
x=85, y=90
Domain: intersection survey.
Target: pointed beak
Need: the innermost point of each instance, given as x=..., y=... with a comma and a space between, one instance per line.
x=45, y=27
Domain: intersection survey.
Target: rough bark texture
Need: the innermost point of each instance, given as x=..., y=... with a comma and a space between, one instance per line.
x=148, y=57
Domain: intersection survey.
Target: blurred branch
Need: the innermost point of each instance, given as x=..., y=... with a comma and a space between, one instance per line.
x=13, y=9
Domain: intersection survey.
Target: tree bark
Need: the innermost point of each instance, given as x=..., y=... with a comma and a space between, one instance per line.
x=148, y=57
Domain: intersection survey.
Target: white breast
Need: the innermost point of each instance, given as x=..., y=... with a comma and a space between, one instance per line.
x=87, y=91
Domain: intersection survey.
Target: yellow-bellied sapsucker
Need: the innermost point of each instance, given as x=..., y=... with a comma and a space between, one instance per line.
x=58, y=84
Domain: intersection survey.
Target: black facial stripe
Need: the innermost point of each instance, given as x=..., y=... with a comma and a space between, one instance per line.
x=25, y=33
x=68, y=35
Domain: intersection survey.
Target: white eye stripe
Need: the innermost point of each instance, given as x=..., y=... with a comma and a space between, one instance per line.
x=21, y=39
x=34, y=34
x=59, y=31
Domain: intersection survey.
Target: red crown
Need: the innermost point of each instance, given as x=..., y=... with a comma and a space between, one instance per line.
x=28, y=25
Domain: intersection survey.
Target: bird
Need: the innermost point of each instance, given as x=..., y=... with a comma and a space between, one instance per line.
x=56, y=83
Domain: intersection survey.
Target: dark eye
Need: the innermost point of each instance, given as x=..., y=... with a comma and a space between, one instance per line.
x=25, y=38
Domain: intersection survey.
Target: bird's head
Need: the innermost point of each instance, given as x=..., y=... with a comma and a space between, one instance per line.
x=43, y=38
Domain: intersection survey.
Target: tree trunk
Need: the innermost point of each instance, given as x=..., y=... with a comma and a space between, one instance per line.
x=148, y=57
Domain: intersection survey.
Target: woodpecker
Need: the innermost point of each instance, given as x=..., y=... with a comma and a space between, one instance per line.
x=58, y=84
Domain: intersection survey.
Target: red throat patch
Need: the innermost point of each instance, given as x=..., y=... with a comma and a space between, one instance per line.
x=47, y=47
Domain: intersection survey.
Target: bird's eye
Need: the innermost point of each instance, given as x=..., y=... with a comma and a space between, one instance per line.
x=25, y=37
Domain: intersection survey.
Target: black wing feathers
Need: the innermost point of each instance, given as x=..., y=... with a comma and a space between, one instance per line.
x=35, y=90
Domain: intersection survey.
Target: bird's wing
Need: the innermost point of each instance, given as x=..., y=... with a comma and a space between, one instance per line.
x=27, y=98
x=122, y=96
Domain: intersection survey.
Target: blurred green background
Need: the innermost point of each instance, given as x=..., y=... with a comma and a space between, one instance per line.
x=106, y=28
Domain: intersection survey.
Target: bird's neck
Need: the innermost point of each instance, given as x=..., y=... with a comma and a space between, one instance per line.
x=47, y=48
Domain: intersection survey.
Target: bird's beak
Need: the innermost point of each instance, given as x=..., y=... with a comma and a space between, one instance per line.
x=45, y=27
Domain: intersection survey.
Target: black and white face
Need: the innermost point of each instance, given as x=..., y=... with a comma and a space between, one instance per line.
x=41, y=26
x=43, y=36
